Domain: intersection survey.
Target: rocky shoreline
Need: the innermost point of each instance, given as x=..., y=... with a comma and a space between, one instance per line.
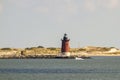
x=44, y=57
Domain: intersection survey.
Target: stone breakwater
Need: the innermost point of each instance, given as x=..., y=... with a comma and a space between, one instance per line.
x=36, y=52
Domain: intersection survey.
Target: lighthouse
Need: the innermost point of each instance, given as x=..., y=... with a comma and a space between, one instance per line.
x=65, y=47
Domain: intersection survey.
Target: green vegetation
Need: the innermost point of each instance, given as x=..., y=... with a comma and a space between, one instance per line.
x=6, y=49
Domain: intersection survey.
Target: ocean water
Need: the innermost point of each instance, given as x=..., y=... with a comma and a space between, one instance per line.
x=97, y=68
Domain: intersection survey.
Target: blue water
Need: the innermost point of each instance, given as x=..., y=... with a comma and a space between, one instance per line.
x=97, y=68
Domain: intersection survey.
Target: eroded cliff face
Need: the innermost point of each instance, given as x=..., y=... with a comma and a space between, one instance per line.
x=39, y=52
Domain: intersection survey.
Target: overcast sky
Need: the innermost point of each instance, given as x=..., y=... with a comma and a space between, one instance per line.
x=29, y=23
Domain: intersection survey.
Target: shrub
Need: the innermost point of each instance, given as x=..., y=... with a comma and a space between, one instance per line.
x=40, y=47
x=51, y=48
x=6, y=49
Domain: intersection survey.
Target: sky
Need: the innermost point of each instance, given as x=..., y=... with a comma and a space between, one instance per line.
x=32, y=23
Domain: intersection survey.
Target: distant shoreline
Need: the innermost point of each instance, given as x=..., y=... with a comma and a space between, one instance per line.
x=47, y=53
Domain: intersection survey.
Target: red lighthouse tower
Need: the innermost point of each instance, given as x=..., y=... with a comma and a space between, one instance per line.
x=65, y=48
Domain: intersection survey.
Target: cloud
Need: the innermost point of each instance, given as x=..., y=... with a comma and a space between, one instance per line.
x=90, y=5
x=43, y=6
x=31, y=5
x=113, y=3
x=22, y=3
x=93, y=5
x=108, y=3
